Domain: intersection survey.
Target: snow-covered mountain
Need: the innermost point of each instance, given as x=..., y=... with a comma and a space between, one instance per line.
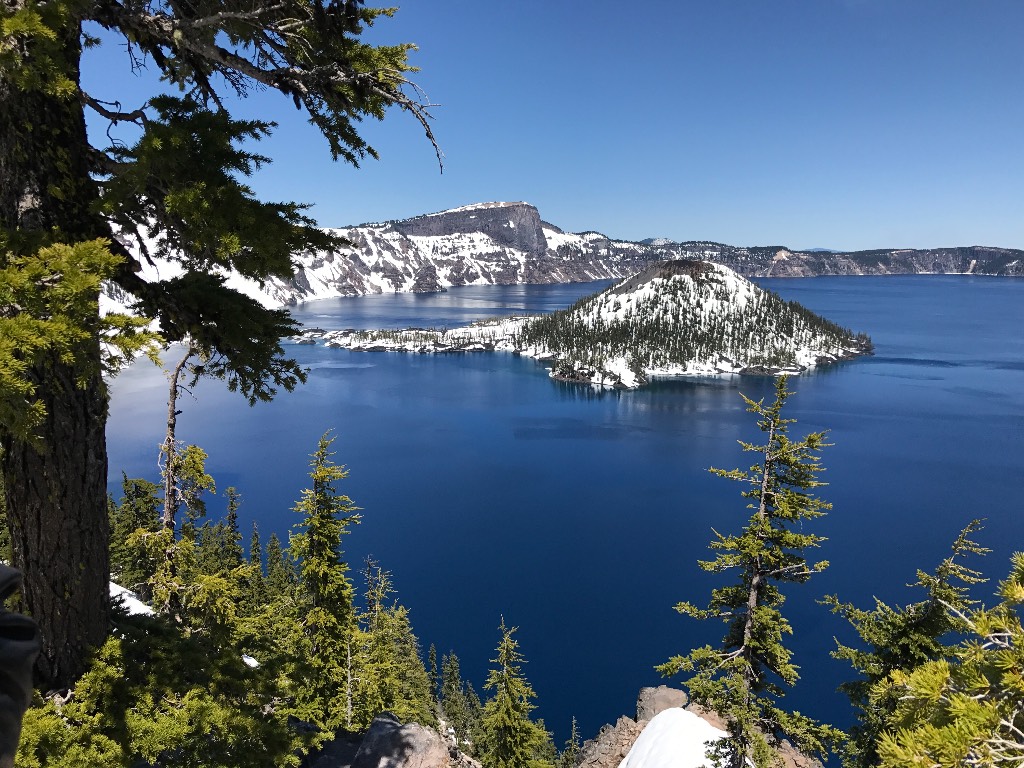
x=676, y=318
x=509, y=243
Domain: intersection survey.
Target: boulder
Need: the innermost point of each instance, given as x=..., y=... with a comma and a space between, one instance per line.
x=389, y=744
x=651, y=701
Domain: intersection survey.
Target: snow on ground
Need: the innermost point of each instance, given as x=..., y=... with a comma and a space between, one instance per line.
x=129, y=600
x=675, y=738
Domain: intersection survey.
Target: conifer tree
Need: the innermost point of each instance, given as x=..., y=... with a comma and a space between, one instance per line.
x=902, y=638
x=328, y=617
x=132, y=564
x=281, y=574
x=509, y=738
x=390, y=673
x=432, y=671
x=966, y=710
x=453, y=697
x=746, y=676
x=571, y=751
x=177, y=188
x=256, y=592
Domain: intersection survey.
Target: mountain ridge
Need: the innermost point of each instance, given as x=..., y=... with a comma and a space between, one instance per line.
x=508, y=243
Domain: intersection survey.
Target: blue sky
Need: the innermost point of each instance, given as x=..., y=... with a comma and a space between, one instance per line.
x=807, y=123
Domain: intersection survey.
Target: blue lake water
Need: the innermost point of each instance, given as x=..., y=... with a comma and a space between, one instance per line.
x=490, y=490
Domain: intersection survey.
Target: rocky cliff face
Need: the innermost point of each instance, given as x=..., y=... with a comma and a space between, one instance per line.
x=508, y=243
x=505, y=243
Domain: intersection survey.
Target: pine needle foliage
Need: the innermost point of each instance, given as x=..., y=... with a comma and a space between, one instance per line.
x=745, y=677
x=325, y=589
x=968, y=709
x=901, y=639
x=509, y=738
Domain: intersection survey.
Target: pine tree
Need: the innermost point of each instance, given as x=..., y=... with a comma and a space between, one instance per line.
x=432, y=671
x=902, y=639
x=177, y=181
x=571, y=751
x=967, y=710
x=509, y=738
x=328, y=616
x=744, y=679
x=131, y=563
x=453, y=697
x=390, y=673
x=256, y=589
x=281, y=573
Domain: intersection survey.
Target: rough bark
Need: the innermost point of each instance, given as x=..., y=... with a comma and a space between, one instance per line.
x=56, y=490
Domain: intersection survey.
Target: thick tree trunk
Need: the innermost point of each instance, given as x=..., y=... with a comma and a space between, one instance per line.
x=56, y=491
x=56, y=502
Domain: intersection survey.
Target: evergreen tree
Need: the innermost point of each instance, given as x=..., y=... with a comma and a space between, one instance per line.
x=256, y=591
x=218, y=545
x=390, y=673
x=745, y=677
x=453, y=697
x=432, y=671
x=281, y=574
x=131, y=563
x=573, y=746
x=895, y=638
x=328, y=617
x=176, y=186
x=966, y=710
x=509, y=738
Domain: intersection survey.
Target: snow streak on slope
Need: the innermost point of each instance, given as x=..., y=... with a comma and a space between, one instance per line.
x=685, y=318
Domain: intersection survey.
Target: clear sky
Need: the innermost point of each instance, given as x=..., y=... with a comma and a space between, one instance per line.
x=809, y=123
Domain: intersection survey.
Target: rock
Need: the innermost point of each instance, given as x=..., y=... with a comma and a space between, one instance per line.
x=389, y=744
x=651, y=701
x=337, y=753
x=611, y=745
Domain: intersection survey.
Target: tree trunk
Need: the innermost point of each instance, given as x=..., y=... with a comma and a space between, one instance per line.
x=56, y=491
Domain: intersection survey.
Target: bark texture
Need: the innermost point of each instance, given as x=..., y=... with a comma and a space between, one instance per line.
x=55, y=491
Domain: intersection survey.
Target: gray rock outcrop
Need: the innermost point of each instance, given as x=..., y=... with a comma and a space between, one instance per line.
x=611, y=745
x=389, y=744
x=651, y=701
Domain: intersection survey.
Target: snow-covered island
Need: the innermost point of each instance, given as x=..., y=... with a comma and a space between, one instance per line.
x=676, y=318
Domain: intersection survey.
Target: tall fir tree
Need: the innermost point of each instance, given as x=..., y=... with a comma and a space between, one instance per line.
x=509, y=738
x=281, y=574
x=746, y=676
x=132, y=564
x=573, y=746
x=432, y=671
x=900, y=639
x=389, y=670
x=175, y=186
x=454, y=707
x=326, y=592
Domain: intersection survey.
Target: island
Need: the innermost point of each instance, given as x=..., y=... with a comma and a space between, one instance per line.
x=674, y=318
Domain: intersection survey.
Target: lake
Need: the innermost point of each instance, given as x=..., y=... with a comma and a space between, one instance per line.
x=490, y=490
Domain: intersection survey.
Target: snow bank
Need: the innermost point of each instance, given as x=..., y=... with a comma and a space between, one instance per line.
x=675, y=738
x=129, y=600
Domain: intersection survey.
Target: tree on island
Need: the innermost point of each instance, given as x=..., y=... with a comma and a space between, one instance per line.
x=177, y=192
x=744, y=679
